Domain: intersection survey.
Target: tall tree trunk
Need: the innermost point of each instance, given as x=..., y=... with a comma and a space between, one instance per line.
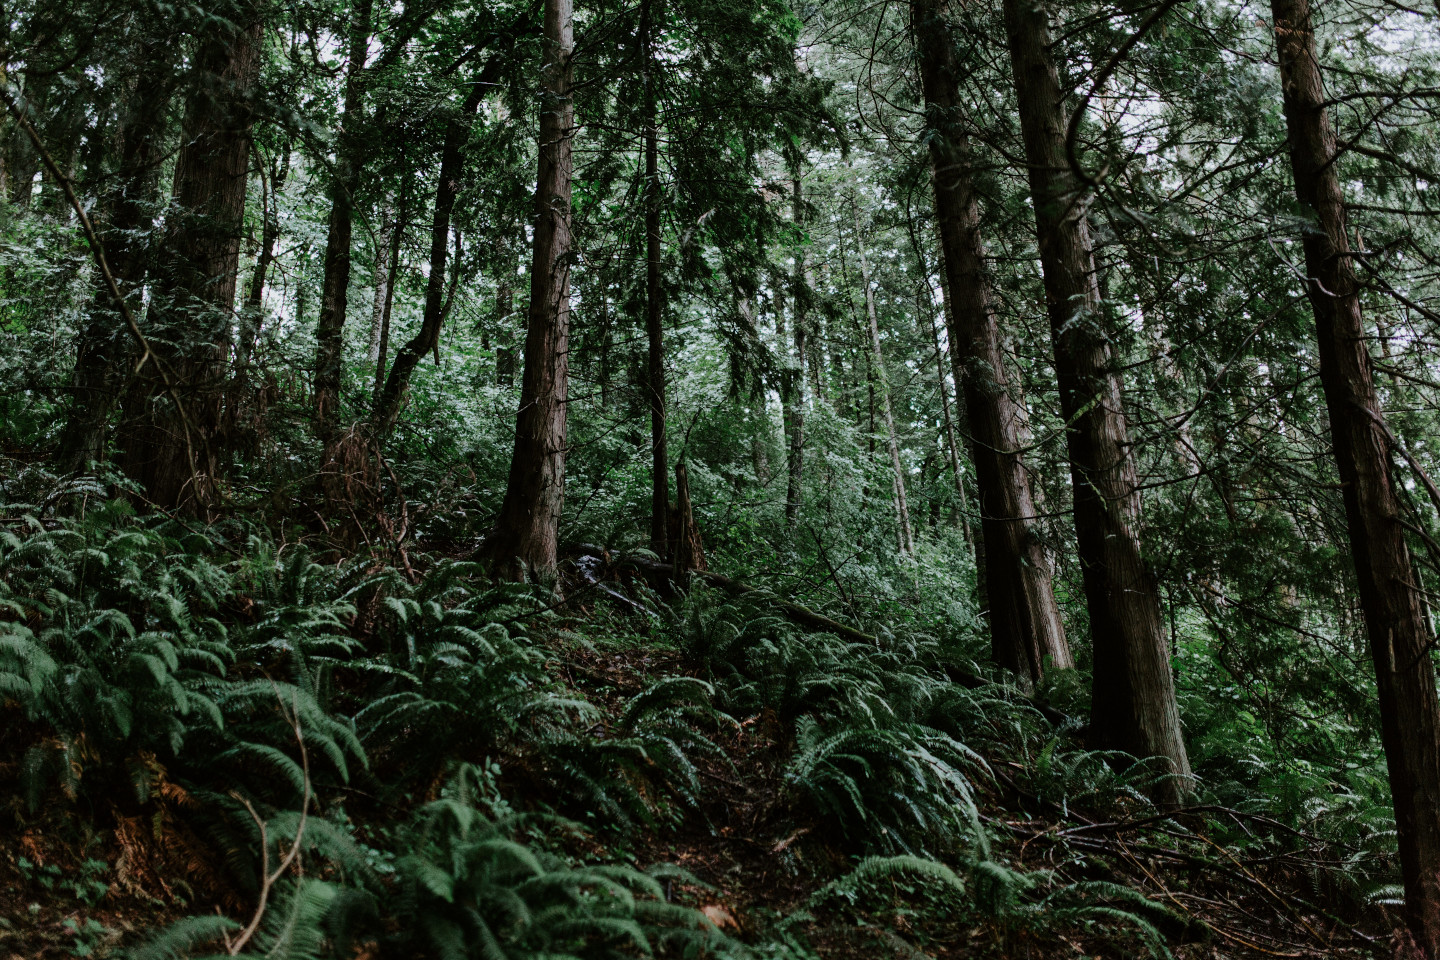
x=760, y=416
x=654, y=295
x=5, y=121
x=382, y=346
x=169, y=429
x=792, y=377
x=689, y=549
x=427, y=338
x=505, y=347
x=607, y=346
x=252, y=313
x=335, y=287
x=815, y=343
x=1390, y=600
x=1025, y=628
x=1133, y=696
x=961, y=515
x=527, y=531
x=384, y=266
x=104, y=351
x=882, y=384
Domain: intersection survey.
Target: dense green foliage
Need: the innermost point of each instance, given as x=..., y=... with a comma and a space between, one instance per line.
x=298, y=694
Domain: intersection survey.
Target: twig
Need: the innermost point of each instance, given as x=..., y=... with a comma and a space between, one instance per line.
x=1266, y=887
x=268, y=878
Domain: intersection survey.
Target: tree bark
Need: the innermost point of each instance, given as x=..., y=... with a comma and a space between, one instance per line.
x=1026, y=633
x=1133, y=695
x=335, y=287
x=526, y=534
x=689, y=549
x=792, y=377
x=382, y=347
x=654, y=295
x=1392, y=605
x=384, y=267
x=882, y=384
x=607, y=338
x=952, y=444
x=105, y=352
x=251, y=314
x=171, y=415
x=427, y=338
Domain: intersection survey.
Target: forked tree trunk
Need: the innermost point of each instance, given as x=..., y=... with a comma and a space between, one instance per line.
x=881, y=383
x=1133, y=695
x=1026, y=633
x=171, y=416
x=526, y=533
x=1390, y=600
x=335, y=287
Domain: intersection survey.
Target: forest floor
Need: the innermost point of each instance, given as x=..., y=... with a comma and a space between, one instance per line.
x=87, y=882
x=760, y=868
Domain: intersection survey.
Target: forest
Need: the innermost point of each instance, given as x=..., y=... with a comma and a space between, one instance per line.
x=736, y=479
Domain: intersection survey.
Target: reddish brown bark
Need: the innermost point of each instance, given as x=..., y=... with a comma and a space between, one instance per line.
x=1133, y=697
x=171, y=416
x=1025, y=628
x=526, y=533
x=1390, y=599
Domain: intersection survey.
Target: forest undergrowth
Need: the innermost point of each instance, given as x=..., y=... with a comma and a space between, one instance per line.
x=217, y=742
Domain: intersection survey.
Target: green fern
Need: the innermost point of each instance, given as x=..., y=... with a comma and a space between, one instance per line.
x=473, y=891
x=628, y=774
x=903, y=787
